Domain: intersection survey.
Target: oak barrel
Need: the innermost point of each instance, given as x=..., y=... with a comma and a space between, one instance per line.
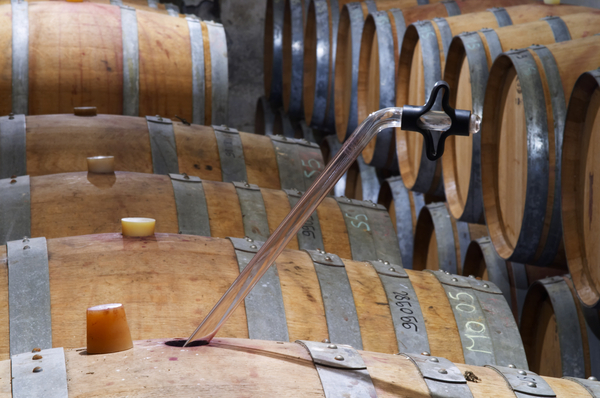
x=561, y=336
x=521, y=133
x=71, y=204
x=581, y=136
x=470, y=57
x=273, y=55
x=312, y=295
x=441, y=242
x=146, y=5
x=48, y=144
x=422, y=60
x=121, y=60
x=255, y=368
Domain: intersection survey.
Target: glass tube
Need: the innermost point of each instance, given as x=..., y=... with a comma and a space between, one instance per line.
x=287, y=230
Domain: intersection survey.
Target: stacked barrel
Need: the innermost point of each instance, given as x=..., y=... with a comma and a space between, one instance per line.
x=412, y=278
x=514, y=204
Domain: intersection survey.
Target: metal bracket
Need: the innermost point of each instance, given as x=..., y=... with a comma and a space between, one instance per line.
x=13, y=146
x=190, y=200
x=162, y=145
x=407, y=317
x=231, y=154
x=15, y=208
x=338, y=300
x=245, y=185
x=29, y=295
x=44, y=377
x=524, y=383
x=265, y=312
x=443, y=378
x=341, y=369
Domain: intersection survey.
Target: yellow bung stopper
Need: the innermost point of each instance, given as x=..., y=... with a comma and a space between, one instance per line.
x=138, y=226
x=84, y=110
x=101, y=164
x=107, y=329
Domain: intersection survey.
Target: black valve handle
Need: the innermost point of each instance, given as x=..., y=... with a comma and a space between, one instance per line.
x=460, y=120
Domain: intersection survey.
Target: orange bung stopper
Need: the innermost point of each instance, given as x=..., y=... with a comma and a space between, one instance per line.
x=101, y=164
x=107, y=329
x=137, y=226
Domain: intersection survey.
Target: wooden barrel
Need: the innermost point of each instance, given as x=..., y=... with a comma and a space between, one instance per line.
x=146, y=5
x=72, y=204
x=421, y=64
x=578, y=203
x=313, y=300
x=521, y=152
x=273, y=54
x=441, y=242
x=294, y=20
x=49, y=144
x=561, y=336
x=264, y=117
x=404, y=207
x=469, y=58
x=167, y=66
x=255, y=368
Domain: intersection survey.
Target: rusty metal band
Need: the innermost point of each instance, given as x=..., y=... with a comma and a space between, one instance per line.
x=321, y=75
x=50, y=382
x=559, y=28
x=445, y=33
x=387, y=86
x=338, y=300
x=493, y=43
x=501, y=15
x=300, y=162
x=15, y=208
x=219, y=72
x=432, y=72
x=162, y=145
x=334, y=9
x=294, y=101
x=592, y=386
x=554, y=237
x=265, y=312
x=442, y=227
x=190, y=200
x=356, y=16
x=523, y=382
x=443, y=378
x=567, y=322
x=310, y=236
x=254, y=214
x=13, y=146
x=478, y=68
x=131, y=62
x=231, y=153
x=30, y=322
x=407, y=317
x=20, y=57
x=368, y=179
x=470, y=319
x=404, y=219
x=341, y=369
x=451, y=8
x=370, y=231
x=534, y=105
x=197, y=53
x=494, y=264
x=503, y=330
x=276, y=29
